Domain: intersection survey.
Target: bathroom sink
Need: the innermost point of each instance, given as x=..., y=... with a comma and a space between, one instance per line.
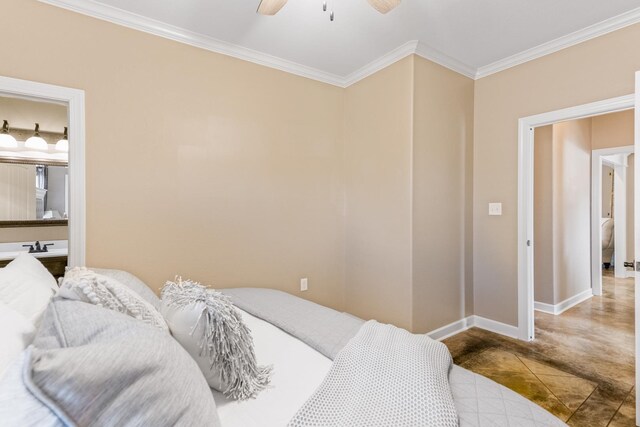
x=12, y=250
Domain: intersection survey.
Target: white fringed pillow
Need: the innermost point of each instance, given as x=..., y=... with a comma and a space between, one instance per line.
x=82, y=284
x=208, y=326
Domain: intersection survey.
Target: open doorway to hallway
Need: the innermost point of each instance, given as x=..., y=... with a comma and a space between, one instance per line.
x=583, y=207
x=583, y=218
x=580, y=365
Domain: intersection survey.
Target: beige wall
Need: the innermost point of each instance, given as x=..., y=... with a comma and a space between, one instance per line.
x=27, y=234
x=23, y=114
x=543, y=215
x=612, y=130
x=408, y=163
x=442, y=192
x=197, y=163
x=571, y=208
x=378, y=118
x=599, y=69
x=562, y=211
x=239, y=175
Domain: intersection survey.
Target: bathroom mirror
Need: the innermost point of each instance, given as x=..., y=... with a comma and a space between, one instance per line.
x=34, y=158
x=33, y=192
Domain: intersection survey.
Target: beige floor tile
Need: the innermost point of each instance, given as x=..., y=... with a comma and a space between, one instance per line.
x=572, y=391
x=543, y=369
x=498, y=361
x=625, y=417
x=590, y=345
x=527, y=385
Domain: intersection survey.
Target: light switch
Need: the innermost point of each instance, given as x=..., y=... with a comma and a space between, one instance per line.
x=495, y=209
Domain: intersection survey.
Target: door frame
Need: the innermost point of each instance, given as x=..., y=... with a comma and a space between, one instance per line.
x=74, y=100
x=619, y=216
x=526, y=126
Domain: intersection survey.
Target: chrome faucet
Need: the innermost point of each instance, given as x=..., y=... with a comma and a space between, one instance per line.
x=36, y=248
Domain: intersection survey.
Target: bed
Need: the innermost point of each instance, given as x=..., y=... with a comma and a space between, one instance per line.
x=298, y=338
x=299, y=370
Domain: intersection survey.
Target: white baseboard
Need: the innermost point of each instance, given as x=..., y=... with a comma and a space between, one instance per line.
x=451, y=329
x=471, y=321
x=564, y=305
x=544, y=307
x=495, y=326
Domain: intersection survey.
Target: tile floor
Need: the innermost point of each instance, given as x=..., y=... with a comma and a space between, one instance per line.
x=580, y=367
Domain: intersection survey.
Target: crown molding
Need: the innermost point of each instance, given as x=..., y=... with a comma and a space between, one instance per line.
x=413, y=47
x=171, y=32
x=577, y=37
x=434, y=55
x=152, y=26
x=401, y=52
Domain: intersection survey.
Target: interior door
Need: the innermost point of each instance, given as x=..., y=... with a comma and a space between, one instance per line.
x=636, y=233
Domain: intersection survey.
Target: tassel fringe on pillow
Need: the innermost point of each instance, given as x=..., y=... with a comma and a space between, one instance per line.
x=226, y=341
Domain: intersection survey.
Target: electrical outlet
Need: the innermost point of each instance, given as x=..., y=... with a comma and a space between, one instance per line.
x=304, y=284
x=495, y=209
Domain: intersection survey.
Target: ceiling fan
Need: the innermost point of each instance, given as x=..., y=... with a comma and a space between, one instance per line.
x=271, y=7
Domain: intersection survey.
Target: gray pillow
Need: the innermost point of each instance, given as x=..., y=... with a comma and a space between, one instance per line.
x=132, y=282
x=208, y=326
x=93, y=366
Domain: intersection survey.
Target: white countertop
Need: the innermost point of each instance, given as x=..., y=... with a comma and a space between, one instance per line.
x=12, y=250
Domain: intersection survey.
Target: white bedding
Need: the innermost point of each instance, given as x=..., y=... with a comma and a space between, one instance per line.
x=299, y=370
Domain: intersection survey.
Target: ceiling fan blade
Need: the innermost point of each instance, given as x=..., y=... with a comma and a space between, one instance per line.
x=270, y=7
x=384, y=6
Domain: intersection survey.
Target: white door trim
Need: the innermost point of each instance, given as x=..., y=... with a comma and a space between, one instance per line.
x=525, y=195
x=74, y=100
x=620, y=213
x=636, y=243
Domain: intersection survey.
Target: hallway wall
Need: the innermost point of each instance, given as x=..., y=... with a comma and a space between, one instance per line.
x=562, y=211
x=571, y=208
x=543, y=214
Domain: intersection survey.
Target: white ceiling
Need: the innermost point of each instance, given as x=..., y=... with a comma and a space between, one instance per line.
x=476, y=33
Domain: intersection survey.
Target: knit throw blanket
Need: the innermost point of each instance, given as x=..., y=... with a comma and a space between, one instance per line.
x=384, y=376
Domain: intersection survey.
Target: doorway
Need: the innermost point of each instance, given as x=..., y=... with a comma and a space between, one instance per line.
x=73, y=99
x=526, y=250
x=611, y=213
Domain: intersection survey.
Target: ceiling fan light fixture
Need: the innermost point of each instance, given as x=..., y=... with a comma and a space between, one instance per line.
x=36, y=142
x=384, y=6
x=6, y=140
x=63, y=144
x=270, y=7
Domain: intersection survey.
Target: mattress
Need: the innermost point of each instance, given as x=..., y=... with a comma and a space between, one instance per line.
x=299, y=369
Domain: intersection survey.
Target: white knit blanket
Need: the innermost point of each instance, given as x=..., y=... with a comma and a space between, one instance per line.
x=385, y=376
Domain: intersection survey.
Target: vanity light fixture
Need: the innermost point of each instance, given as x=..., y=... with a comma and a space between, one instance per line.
x=36, y=142
x=63, y=144
x=6, y=140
